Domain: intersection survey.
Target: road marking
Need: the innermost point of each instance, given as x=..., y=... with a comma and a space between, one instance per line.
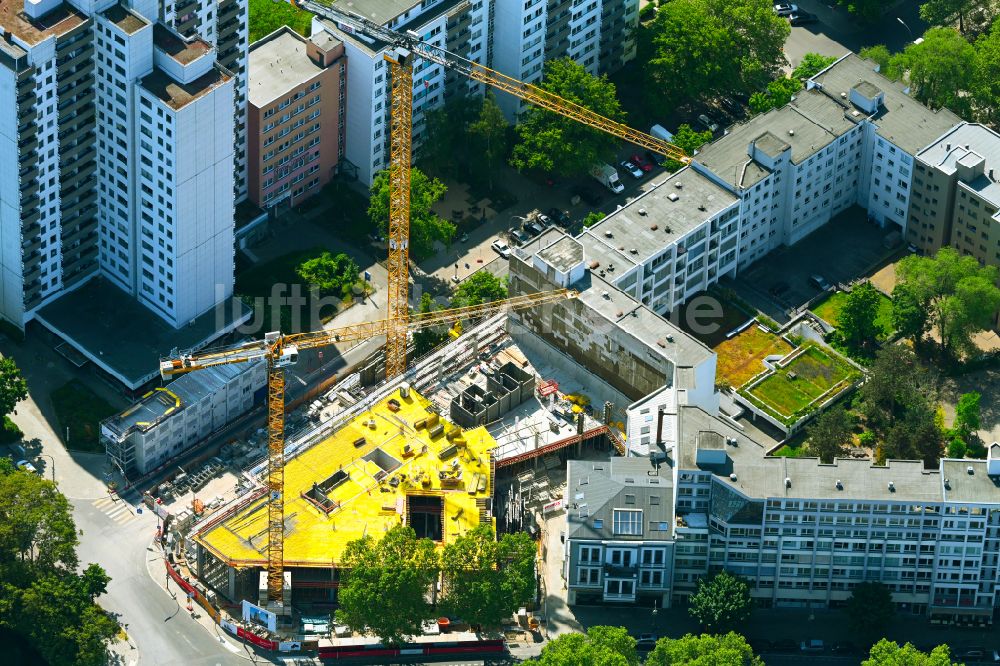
x=117, y=510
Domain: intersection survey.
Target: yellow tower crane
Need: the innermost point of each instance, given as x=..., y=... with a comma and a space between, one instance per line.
x=279, y=351
x=404, y=48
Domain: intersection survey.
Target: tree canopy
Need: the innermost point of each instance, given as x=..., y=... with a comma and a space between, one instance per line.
x=857, y=323
x=811, y=65
x=490, y=134
x=947, y=12
x=829, y=436
x=485, y=580
x=600, y=646
x=480, y=287
x=869, y=610
x=729, y=649
x=897, y=403
x=889, y=653
x=687, y=139
x=553, y=143
x=425, y=225
x=959, y=296
x=330, y=273
x=777, y=94
x=701, y=48
x=721, y=602
x=939, y=68
x=393, y=574
x=42, y=597
x=13, y=388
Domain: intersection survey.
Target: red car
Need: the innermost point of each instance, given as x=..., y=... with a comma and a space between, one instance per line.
x=641, y=163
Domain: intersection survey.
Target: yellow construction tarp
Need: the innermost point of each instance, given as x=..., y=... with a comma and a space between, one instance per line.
x=369, y=501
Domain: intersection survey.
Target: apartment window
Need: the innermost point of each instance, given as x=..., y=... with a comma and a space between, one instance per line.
x=627, y=522
x=588, y=576
x=590, y=553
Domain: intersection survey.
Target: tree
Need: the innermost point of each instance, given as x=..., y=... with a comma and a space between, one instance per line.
x=985, y=82
x=330, y=273
x=553, y=143
x=393, y=574
x=897, y=403
x=701, y=48
x=811, y=65
x=830, y=434
x=445, y=149
x=425, y=226
x=600, y=646
x=909, y=317
x=427, y=339
x=490, y=135
x=721, y=602
x=960, y=296
x=880, y=55
x=857, y=323
x=13, y=388
x=888, y=653
x=593, y=217
x=729, y=649
x=939, y=69
x=487, y=580
x=945, y=12
x=869, y=609
x=957, y=448
x=779, y=93
x=967, y=413
x=689, y=140
x=480, y=287
x=42, y=598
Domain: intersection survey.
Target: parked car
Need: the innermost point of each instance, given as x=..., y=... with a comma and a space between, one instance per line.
x=819, y=282
x=26, y=466
x=812, y=646
x=501, y=248
x=845, y=647
x=561, y=217
x=802, y=18
x=974, y=653
x=641, y=163
x=520, y=236
x=631, y=169
x=534, y=228
x=645, y=642
x=544, y=220
x=785, y=8
x=708, y=123
x=731, y=106
x=591, y=195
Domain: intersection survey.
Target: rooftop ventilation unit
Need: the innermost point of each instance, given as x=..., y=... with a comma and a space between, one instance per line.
x=947, y=484
x=670, y=337
x=970, y=469
x=732, y=477
x=843, y=95
x=892, y=487
x=608, y=234
x=605, y=294
x=731, y=441
x=673, y=196
x=840, y=486
x=641, y=211
x=701, y=207
x=791, y=132
x=788, y=482
x=633, y=251
x=654, y=227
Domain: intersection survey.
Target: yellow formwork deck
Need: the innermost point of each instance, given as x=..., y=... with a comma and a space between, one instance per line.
x=369, y=500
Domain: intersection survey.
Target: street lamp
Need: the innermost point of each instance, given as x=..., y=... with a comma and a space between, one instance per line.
x=53, y=468
x=903, y=23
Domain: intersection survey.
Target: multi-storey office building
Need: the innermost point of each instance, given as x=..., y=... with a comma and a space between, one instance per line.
x=121, y=138
x=619, y=524
x=296, y=127
x=956, y=194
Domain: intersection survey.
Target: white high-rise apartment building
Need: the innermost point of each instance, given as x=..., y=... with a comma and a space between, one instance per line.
x=513, y=37
x=120, y=151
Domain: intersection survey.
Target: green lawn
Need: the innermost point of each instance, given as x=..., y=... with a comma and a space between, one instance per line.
x=815, y=372
x=81, y=410
x=266, y=16
x=829, y=310
x=740, y=356
x=794, y=450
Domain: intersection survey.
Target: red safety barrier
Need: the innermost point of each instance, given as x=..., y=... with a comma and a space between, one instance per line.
x=256, y=640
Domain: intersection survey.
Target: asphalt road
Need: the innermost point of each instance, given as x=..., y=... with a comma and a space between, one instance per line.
x=837, y=32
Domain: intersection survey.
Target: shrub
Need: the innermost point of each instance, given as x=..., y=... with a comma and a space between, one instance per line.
x=9, y=432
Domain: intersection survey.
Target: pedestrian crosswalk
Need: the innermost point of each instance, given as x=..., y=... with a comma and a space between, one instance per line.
x=116, y=509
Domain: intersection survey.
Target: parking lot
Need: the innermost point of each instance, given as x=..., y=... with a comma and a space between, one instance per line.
x=844, y=249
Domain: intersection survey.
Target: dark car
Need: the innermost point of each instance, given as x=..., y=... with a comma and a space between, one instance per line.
x=591, y=195
x=801, y=18
x=645, y=642
x=845, y=647
x=561, y=217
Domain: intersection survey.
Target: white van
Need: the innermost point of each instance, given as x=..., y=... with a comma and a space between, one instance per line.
x=661, y=132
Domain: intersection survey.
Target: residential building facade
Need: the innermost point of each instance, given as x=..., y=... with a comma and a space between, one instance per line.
x=123, y=156
x=296, y=115
x=619, y=522
x=956, y=194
